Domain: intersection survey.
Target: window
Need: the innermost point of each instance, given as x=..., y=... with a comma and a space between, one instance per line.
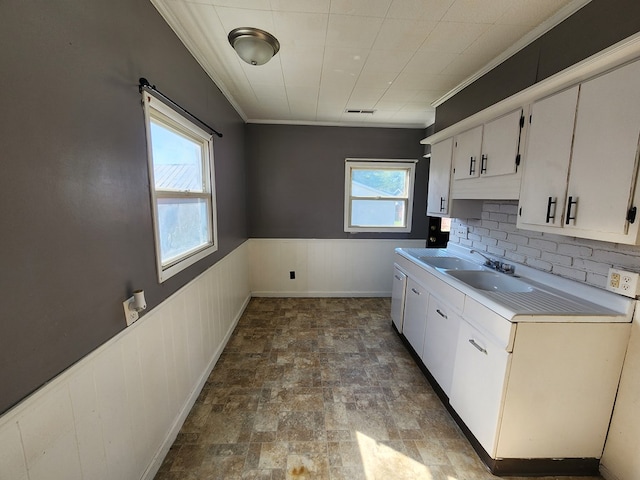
x=182, y=188
x=378, y=195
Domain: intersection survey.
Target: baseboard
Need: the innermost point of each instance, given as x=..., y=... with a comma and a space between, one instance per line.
x=320, y=294
x=160, y=455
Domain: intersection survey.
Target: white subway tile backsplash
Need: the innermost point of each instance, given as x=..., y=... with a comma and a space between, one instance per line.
x=574, y=250
x=517, y=239
x=565, y=260
x=539, y=264
x=542, y=244
x=510, y=208
x=569, y=273
x=507, y=245
x=579, y=259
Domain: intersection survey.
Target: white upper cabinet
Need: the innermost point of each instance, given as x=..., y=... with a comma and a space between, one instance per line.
x=486, y=159
x=500, y=142
x=581, y=164
x=439, y=178
x=439, y=203
x=466, y=156
x=605, y=151
x=548, y=152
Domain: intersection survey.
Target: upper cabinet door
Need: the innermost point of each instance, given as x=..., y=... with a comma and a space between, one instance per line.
x=439, y=178
x=546, y=159
x=500, y=142
x=466, y=156
x=605, y=152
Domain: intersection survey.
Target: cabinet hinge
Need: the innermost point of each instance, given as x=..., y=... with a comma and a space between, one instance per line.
x=518, y=160
x=521, y=121
x=631, y=215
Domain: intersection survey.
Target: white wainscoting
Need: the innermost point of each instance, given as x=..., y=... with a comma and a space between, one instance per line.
x=323, y=268
x=114, y=414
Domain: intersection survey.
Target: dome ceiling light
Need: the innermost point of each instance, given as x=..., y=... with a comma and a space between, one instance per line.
x=254, y=46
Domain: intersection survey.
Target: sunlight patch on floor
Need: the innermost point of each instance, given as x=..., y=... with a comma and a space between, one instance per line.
x=382, y=462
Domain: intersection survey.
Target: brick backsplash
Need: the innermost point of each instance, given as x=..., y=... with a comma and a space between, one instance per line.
x=576, y=258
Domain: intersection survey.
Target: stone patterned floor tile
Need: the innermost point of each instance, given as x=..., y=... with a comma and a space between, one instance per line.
x=320, y=388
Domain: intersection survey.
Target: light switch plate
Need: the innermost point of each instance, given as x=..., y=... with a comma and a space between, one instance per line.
x=623, y=282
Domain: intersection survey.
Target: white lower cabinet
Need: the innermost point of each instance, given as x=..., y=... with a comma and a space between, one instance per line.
x=477, y=388
x=415, y=314
x=539, y=390
x=441, y=338
x=397, y=297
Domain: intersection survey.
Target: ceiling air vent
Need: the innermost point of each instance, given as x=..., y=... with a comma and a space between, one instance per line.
x=365, y=111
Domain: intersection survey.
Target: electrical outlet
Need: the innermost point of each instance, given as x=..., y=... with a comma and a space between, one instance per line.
x=461, y=231
x=622, y=282
x=130, y=315
x=292, y=275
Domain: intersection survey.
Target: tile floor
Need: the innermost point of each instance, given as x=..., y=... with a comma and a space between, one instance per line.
x=318, y=388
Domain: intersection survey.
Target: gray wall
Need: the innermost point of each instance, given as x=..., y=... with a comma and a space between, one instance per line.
x=76, y=233
x=596, y=26
x=296, y=177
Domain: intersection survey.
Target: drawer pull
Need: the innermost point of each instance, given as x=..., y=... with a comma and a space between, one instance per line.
x=473, y=342
x=415, y=291
x=440, y=313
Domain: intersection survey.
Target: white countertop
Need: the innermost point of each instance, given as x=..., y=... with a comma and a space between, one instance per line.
x=553, y=299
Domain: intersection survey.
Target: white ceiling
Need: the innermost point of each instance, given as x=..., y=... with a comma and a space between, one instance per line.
x=397, y=57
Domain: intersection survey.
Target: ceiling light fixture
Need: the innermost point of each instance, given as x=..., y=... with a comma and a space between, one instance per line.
x=254, y=46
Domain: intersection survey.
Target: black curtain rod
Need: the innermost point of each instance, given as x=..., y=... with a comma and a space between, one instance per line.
x=144, y=84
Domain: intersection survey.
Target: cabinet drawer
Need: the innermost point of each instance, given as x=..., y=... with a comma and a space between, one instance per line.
x=453, y=297
x=499, y=328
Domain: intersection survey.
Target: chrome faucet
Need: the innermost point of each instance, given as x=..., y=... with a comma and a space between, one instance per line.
x=496, y=264
x=489, y=262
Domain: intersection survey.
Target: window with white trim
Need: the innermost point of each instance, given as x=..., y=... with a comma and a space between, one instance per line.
x=181, y=175
x=378, y=195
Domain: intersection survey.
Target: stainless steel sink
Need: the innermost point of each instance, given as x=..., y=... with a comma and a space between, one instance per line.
x=451, y=263
x=491, y=281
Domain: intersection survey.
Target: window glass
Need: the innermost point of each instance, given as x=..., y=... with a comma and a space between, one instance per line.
x=182, y=193
x=378, y=195
x=177, y=160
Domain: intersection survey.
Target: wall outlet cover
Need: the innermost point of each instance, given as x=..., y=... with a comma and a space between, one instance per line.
x=129, y=315
x=623, y=282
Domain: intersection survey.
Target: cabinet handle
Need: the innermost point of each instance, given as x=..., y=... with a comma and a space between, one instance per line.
x=415, y=291
x=473, y=342
x=397, y=277
x=570, y=203
x=472, y=165
x=550, y=202
x=483, y=164
x=442, y=208
x=440, y=313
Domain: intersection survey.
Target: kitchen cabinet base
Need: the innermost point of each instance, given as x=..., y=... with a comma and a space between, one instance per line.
x=521, y=467
x=528, y=467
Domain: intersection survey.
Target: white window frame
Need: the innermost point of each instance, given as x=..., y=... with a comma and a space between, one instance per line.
x=352, y=164
x=163, y=114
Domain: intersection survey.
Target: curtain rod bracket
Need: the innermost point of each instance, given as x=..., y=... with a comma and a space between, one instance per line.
x=145, y=85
